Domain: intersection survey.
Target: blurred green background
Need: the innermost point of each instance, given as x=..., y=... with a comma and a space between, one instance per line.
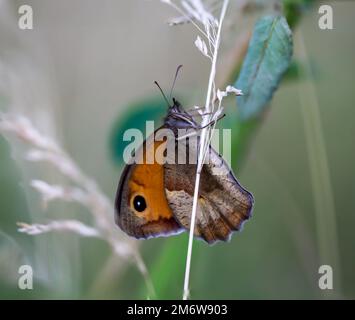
x=82, y=74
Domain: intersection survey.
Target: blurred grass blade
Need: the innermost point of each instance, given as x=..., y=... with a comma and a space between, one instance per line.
x=325, y=215
x=268, y=57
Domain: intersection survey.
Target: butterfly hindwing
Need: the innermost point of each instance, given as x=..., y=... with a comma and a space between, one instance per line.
x=223, y=204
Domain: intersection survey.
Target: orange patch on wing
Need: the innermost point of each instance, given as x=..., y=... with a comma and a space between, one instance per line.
x=147, y=180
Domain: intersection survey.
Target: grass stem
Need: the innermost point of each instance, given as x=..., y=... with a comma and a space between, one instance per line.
x=202, y=150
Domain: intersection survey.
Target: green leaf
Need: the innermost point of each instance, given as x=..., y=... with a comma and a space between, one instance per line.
x=293, y=10
x=268, y=57
x=136, y=117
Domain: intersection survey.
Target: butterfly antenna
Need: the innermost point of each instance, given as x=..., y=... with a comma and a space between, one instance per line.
x=176, y=75
x=162, y=92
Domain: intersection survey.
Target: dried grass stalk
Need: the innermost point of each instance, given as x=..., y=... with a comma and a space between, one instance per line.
x=85, y=192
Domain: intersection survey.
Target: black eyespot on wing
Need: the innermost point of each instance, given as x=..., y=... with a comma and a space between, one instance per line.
x=139, y=203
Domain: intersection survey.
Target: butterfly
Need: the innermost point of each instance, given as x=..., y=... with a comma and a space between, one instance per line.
x=154, y=199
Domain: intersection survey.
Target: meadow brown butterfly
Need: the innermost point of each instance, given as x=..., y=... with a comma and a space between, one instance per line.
x=154, y=199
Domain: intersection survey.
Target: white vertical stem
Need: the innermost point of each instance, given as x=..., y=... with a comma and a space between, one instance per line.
x=202, y=151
